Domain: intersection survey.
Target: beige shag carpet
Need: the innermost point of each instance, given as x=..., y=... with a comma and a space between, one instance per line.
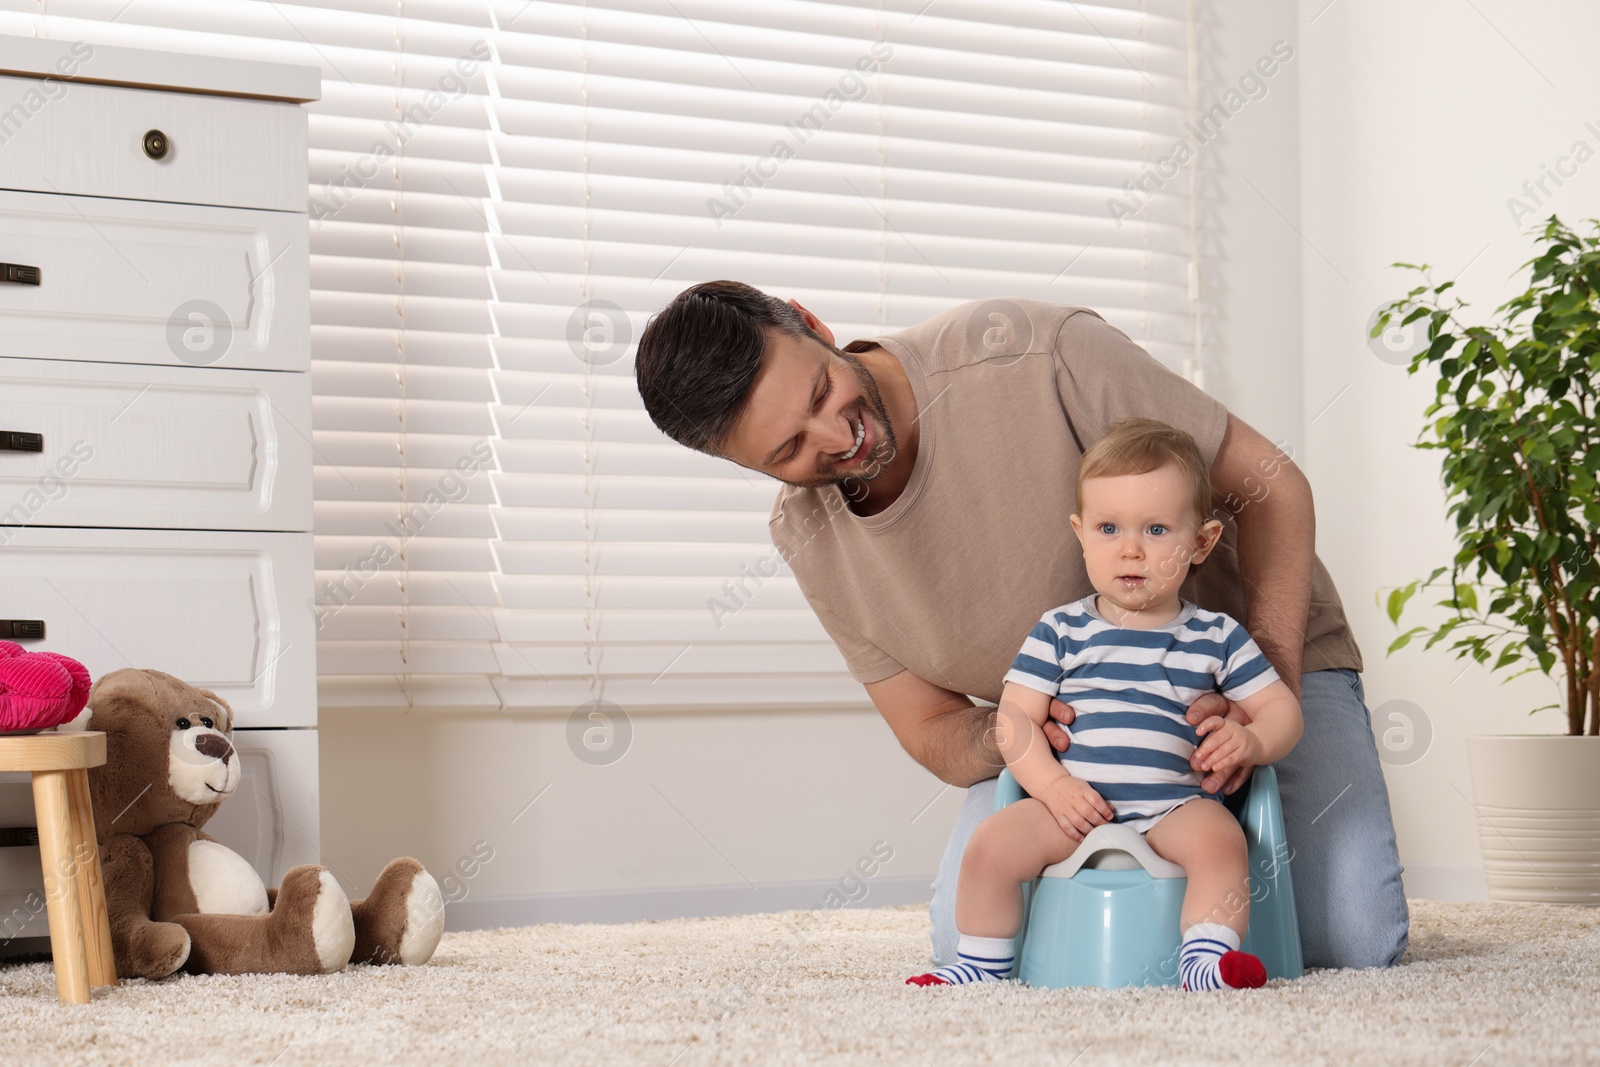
x=1483, y=984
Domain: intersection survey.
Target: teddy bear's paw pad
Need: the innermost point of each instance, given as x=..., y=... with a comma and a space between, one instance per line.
x=310, y=903
x=332, y=930
x=424, y=920
x=403, y=917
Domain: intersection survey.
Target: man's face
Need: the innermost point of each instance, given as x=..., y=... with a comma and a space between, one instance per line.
x=1140, y=534
x=814, y=417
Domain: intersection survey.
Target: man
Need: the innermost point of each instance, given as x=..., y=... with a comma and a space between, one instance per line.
x=929, y=478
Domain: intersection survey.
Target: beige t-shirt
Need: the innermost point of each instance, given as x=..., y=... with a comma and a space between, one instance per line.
x=947, y=581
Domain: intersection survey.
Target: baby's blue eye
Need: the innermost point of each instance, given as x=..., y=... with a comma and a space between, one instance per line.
x=1157, y=529
x=1108, y=528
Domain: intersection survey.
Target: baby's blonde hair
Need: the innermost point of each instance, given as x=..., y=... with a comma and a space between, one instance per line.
x=1139, y=446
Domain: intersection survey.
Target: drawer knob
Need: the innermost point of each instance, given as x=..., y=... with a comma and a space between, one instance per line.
x=21, y=441
x=156, y=144
x=22, y=629
x=18, y=274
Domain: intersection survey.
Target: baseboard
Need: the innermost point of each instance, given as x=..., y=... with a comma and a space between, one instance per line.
x=632, y=905
x=1437, y=882
x=24, y=949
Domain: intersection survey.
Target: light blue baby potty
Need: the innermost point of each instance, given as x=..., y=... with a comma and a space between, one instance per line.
x=1108, y=914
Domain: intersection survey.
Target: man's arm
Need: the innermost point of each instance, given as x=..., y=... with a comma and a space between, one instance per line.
x=1271, y=499
x=946, y=732
x=942, y=730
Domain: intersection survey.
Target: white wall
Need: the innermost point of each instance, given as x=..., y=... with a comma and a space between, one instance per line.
x=1418, y=121
x=1250, y=179
x=701, y=814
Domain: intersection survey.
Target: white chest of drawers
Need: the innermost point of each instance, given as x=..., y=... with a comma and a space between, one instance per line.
x=155, y=403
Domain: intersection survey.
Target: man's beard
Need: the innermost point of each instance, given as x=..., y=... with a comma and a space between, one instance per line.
x=884, y=449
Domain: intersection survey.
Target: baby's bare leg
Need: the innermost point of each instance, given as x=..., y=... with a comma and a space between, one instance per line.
x=1205, y=840
x=1008, y=848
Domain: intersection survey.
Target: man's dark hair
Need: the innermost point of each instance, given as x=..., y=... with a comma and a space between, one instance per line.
x=699, y=356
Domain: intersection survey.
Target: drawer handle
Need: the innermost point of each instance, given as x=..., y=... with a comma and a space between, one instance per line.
x=156, y=144
x=22, y=629
x=18, y=274
x=21, y=441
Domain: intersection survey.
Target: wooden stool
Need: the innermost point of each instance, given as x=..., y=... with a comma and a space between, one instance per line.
x=75, y=895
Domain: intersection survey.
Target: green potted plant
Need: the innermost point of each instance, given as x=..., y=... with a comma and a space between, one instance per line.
x=1515, y=414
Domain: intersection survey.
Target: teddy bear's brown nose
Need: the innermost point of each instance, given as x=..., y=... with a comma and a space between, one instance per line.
x=214, y=745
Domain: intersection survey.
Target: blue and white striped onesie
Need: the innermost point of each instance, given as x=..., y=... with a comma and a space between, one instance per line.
x=1130, y=689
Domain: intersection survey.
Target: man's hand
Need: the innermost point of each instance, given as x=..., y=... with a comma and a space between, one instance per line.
x=1207, y=708
x=1228, y=746
x=1076, y=806
x=1061, y=715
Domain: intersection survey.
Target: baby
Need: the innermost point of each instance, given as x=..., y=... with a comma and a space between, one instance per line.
x=1130, y=660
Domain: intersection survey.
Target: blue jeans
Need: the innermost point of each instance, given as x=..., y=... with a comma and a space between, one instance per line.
x=1346, y=868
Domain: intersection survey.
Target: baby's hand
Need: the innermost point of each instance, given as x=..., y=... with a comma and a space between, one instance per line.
x=1076, y=806
x=1228, y=745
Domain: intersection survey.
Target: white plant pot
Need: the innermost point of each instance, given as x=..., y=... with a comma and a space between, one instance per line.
x=1538, y=801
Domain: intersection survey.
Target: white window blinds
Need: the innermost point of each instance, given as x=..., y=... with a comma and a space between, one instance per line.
x=503, y=191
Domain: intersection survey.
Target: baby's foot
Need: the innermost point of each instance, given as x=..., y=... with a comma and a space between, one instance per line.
x=978, y=959
x=1240, y=970
x=958, y=974
x=1211, y=960
x=1232, y=970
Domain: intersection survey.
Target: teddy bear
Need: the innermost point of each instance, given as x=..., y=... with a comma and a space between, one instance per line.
x=179, y=899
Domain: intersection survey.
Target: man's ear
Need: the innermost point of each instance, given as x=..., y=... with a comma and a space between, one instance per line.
x=817, y=326
x=1206, y=540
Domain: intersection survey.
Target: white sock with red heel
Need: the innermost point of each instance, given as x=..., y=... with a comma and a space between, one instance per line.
x=979, y=959
x=1211, y=959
